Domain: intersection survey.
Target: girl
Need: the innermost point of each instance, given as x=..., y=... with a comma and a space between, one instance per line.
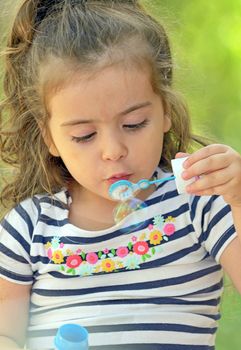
x=89, y=101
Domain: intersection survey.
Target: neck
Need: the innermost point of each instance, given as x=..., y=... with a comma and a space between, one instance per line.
x=90, y=211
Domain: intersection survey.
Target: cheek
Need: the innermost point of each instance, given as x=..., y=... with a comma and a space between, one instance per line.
x=154, y=140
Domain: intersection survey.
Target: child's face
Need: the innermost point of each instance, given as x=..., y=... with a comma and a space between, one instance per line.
x=108, y=127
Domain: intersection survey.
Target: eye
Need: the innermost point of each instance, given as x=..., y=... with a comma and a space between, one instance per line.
x=134, y=127
x=83, y=139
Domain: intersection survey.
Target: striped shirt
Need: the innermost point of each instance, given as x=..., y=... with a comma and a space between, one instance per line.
x=153, y=281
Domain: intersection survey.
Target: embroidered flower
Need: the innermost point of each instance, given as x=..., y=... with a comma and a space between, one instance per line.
x=158, y=220
x=170, y=219
x=49, y=253
x=92, y=258
x=119, y=264
x=97, y=269
x=169, y=229
x=122, y=252
x=140, y=248
x=57, y=257
x=142, y=236
x=108, y=265
x=47, y=245
x=132, y=262
x=55, y=241
x=155, y=237
x=73, y=261
x=85, y=269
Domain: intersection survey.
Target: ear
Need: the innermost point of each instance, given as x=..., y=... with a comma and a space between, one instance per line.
x=167, y=123
x=49, y=141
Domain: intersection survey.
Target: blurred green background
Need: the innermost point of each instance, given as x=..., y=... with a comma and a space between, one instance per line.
x=206, y=45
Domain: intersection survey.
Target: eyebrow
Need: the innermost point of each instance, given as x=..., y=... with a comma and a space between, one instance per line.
x=121, y=114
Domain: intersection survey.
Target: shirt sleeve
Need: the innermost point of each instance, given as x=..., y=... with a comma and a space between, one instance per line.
x=16, y=231
x=213, y=222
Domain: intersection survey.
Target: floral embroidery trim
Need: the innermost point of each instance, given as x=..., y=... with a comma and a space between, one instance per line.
x=137, y=251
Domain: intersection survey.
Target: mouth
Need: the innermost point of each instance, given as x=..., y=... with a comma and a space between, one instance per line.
x=117, y=177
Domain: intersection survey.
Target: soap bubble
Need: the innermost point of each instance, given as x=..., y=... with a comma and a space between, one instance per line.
x=131, y=207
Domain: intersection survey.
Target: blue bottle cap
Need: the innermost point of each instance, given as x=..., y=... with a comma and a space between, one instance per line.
x=71, y=337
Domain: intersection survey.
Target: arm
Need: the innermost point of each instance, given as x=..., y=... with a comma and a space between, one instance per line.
x=14, y=305
x=231, y=257
x=8, y=344
x=220, y=166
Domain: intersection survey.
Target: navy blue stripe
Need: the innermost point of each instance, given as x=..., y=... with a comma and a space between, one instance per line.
x=172, y=257
x=222, y=240
x=218, y=217
x=209, y=204
x=152, y=346
x=201, y=215
x=179, y=211
x=25, y=216
x=213, y=288
x=175, y=213
x=131, y=286
x=108, y=236
x=151, y=301
x=162, y=184
x=52, y=222
x=43, y=259
x=53, y=202
x=13, y=255
x=194, y=204
x=15, y=276
x=36, y=203
x=162, y=197
x=215, y=317
x=181, y=233
x=166, y=327
x=16, y=235
x=90, y=240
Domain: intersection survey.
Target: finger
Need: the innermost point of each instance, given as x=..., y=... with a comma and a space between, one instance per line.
x=220, y=190
x=208, y=165
x=181, y=155
x=213, y=180
x=205, y=153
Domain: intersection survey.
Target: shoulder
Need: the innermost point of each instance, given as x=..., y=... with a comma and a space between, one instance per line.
x=29, y=211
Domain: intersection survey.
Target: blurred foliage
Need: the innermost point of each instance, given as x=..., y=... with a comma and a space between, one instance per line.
x=206, y=44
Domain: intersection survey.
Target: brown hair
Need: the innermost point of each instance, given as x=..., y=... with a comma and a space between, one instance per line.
x=81, y=34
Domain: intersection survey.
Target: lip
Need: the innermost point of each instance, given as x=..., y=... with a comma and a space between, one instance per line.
x=117, y=177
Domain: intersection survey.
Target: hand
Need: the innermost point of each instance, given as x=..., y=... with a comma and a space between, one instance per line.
x=220, y=169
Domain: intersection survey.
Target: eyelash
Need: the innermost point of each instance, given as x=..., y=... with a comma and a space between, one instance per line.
x=134, y=127
x=131, y=127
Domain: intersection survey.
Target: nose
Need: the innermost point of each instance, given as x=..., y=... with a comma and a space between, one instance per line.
x=113, y=148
